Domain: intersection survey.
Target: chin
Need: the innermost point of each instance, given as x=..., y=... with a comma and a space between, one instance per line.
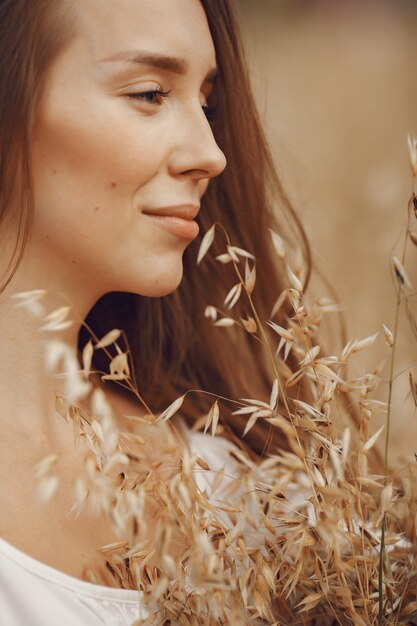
x=161, y=284
x=159, y=291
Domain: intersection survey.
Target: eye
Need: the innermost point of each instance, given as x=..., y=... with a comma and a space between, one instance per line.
x=151, y=96
x=156, y=96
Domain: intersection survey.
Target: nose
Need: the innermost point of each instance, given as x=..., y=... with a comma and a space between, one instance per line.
x=196, y=152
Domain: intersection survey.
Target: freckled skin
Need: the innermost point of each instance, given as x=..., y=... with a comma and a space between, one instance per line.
x=94, y=145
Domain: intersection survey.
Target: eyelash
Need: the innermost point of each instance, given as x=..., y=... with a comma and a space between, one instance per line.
x=143, y=95
x=209, y=112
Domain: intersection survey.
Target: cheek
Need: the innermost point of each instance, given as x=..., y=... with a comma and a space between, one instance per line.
x=85, y=178
x=93, y=150
x=87, y=168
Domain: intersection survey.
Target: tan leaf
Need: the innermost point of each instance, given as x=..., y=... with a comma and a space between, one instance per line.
x=55, y=351
x=119, y=364
x=206, y=243
x=310, y=356
x=288, y=335
x=310, y=601
x=56, y=319
x=257, y=403
x=35, y=294
x=294, y=379
x=215, y=420
x=61, y=406
x=172, y=409
x=224, y=258
x=240, y=252
x=233, y=295
x=278, y=243
x=304, y=407
x=159, y=587
x=44, y=466
x=274, y=394
x=389, y=337
x=233, y=254
x=413, y=387
x=362, y=464
x=168, y=564
x=113, y=547
x=336, y=464
x=47, y=488
x=250, y=277
x=400, y=273
x=278, y=304
x=250, y=423
x=245, y=410
x=372, y=440
x=209, y=419
x=210, y=312
x=412, y=152
x=202, y=463
x=80, y=492
x=263, y=412
x=30, y=300
x=346, y=444
x=295, y=299
x=260, y=604
x=108, y=339
x=294, y=280
x=184, y=495
x=364, y=343
x=225, y=321
x=57, y=327
x=114, y=377
x=87, y=356
x=287, y=349
x=250, y=325
x=386, y=497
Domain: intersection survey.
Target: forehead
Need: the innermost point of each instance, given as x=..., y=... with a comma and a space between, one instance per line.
x=109, y=27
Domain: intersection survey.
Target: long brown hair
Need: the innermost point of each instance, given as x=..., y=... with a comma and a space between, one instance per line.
x=174, y=347
x=31, y=36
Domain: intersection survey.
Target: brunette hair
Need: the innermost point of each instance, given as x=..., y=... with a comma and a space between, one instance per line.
x=174, y=347
x=31, y=36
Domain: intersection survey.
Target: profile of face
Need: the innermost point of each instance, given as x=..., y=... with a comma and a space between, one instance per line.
x=121, y=130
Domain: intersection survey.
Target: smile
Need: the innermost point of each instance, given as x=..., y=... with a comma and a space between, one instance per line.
x=184, y=228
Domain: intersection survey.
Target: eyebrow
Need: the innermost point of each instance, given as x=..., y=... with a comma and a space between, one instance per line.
x=172, y=64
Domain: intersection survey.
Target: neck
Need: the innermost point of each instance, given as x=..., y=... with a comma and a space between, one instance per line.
x=27, y=401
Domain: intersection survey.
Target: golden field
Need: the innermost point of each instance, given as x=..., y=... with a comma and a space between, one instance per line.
x=337, y=93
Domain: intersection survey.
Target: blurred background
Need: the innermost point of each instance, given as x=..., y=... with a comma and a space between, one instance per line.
x=336, y=86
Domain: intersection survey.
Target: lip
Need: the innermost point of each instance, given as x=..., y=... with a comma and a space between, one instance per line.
x=185, y=212
x=177, y=219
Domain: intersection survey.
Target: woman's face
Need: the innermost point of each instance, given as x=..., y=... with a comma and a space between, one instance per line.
x=121, y=130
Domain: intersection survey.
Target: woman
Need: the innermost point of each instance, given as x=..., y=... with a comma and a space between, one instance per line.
x=114, y=114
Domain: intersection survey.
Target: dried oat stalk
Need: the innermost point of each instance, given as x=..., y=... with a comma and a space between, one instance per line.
x=293, y=539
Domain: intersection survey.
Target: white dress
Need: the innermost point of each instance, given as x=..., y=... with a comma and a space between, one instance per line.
x=35, y=594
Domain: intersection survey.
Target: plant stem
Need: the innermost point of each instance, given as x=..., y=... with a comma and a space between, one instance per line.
x=389, y=407
x=391, y=382
x=381, y=575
